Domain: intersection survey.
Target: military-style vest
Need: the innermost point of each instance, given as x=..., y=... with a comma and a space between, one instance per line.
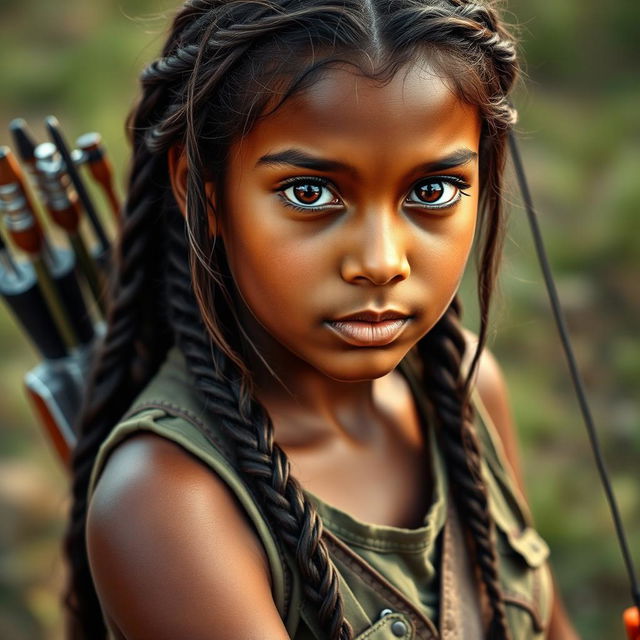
x=395, y=583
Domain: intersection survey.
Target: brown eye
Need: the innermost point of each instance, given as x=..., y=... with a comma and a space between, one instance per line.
x=307, y=193
x=437, y=193
x=311, y=194
x=432, y=192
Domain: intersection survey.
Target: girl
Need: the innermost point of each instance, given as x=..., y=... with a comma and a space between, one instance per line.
x=287, y=432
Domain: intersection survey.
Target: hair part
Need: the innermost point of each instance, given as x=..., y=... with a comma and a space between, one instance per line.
x=224, y=65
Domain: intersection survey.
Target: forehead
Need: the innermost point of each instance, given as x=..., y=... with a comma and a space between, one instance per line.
x=416, y=113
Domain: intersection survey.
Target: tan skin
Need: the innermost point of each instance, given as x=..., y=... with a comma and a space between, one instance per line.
x=374, y=241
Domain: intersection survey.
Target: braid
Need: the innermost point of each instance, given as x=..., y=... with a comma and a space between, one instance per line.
x=169, y=68
x=442, y=351
x=470, y=27
x=262, y=463
x=470, y=30
x=135, y=343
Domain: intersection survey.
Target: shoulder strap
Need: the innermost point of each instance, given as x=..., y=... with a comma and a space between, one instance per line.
x=509, y=498
x=461, y=604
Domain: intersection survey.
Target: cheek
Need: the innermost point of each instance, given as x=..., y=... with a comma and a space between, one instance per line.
x=273, y=267
x=439, y=264
x=442, y=258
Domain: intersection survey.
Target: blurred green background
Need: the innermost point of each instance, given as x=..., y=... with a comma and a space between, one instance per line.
x=580, y=125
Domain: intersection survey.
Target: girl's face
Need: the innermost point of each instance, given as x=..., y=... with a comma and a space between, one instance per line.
x=352, y=198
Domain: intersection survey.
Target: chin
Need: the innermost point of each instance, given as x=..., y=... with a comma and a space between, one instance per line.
x=363, y=364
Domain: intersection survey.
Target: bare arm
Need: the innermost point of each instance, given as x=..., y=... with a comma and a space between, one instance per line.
x=171, y=551
x=493, y=392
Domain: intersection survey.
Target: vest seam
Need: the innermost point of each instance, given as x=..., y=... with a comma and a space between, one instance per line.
x=180, y=412
x=372, y=578
x=523, y=602
x=505, y=468
x=373, y=544
x=447, y=616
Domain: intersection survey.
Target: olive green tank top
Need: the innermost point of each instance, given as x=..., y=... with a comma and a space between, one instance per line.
x=395, y=582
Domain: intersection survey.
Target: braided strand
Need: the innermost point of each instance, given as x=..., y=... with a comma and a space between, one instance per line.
x=262, y=463
x=442, y=351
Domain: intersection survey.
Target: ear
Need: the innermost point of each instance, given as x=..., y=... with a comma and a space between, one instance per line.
x=178, y=168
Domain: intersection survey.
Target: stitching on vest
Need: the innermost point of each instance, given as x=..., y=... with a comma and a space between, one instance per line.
x=504, y=465
x=537, y=589
x=447, y=619
x=424, y=628
x=177, y=411
x=524, y=603
x=180, y=412
x=287, y=579
x=377, y=545
x=174, y=409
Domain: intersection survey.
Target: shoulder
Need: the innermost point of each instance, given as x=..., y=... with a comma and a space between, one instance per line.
x=490, y=383
x=164, y=536
x=491, y=386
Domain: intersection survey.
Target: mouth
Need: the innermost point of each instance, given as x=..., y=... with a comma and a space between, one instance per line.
x=369, y=315
x=370, y=328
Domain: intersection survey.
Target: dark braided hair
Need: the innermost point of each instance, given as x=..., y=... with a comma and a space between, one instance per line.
x=249, y=428
x=223, y=64
x=442, y=351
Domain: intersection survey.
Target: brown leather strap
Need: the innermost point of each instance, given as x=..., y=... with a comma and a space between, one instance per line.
x=460, y=604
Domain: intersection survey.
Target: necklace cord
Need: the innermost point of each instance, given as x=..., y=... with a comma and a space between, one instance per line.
x=573, y=368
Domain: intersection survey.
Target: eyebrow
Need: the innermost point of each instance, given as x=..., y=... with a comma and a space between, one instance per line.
x=304, y=160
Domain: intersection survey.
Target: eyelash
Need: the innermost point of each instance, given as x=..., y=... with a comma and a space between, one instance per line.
x=457, y=181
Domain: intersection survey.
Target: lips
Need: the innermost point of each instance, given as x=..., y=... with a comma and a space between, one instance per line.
x=372, y=316
x=370, y=328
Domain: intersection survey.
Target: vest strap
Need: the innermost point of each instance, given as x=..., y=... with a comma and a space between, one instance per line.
x=460, y=606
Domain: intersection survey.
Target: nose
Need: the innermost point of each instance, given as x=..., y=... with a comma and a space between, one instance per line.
x=377, y=251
